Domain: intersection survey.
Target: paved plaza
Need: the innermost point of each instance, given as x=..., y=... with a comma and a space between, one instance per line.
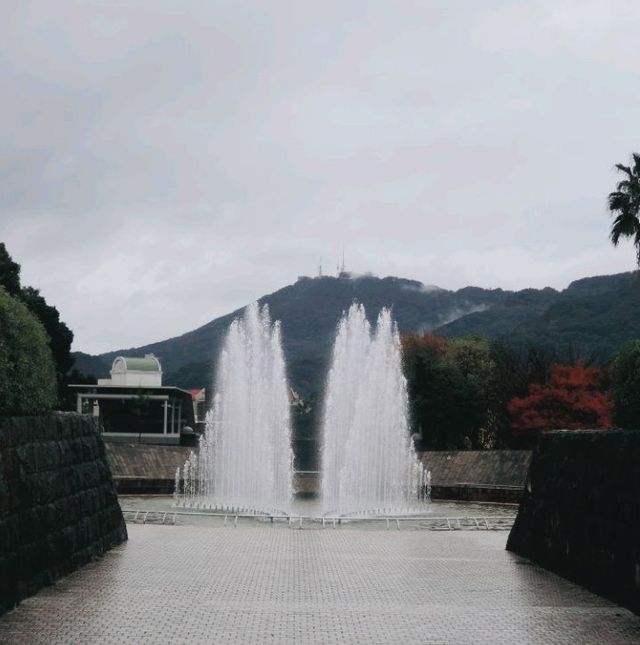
x=259, y=584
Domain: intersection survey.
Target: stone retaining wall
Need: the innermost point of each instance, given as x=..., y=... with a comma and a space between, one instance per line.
x=580, y=513
x=478, y=493
x=58, y=504
x=478, y=468
x=475, y=475
x=142, y=469
x=139, y=460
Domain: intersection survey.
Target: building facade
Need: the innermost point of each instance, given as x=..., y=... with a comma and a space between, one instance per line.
x=134, y=406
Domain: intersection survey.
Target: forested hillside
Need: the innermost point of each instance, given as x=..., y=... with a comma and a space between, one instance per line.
x=309, y=311
x=590, y=319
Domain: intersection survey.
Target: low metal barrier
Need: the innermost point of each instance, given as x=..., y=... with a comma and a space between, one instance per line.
x=424, y=522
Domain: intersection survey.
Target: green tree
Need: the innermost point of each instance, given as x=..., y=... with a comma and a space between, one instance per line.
x=447, y=387
x=27, y=373
x=9, y=272
x=60, y=336
x=624, y=204
x=445, y=407
x=626, y=386
x=472, y=357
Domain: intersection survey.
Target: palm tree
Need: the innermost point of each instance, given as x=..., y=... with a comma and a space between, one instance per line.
x=624, y=203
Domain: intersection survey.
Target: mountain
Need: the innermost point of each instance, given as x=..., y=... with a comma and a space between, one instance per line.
x=592, y=318
x=309, y=311
x=90, y=365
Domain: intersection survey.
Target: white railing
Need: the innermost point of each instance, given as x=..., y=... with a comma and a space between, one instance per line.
x=428, y=522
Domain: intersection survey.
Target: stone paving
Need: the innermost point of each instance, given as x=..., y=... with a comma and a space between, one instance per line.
x=176, y=584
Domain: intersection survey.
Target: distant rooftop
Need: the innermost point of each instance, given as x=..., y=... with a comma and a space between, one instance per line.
x=136, y=364
x=135, y=371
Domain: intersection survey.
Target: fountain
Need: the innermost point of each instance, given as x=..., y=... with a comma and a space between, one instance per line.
x=369, y=463
x=244, y=461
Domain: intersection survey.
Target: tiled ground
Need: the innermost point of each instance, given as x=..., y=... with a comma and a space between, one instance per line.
x=262, y=585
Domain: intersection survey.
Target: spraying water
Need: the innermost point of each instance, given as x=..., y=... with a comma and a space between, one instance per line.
x=369, y=463
x=244, y=461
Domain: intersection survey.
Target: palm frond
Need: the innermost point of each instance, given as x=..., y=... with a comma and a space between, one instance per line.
x=624, y=186
x=618, y=201
x=624, y=225
x=624, y=169
x=624, y=204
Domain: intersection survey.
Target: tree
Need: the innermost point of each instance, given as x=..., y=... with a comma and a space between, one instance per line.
x=444, y=407
x=27, y=373
x=60, y=336
x=447, y=394
x=624, y=203
x=9, y=272
x=575, y=397
x=626, y=386
x=471, y=356
x=515, y=367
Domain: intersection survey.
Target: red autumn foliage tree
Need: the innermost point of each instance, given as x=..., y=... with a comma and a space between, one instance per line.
x=434, y=346
x=574, y=397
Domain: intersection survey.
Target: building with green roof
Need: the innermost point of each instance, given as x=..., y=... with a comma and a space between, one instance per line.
x=135, y=371
x=133, y=405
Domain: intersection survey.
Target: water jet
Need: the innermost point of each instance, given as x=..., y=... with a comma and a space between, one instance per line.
x=369, y=465
x=244, y=461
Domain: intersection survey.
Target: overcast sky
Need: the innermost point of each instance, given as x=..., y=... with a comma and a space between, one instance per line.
x=163, y=163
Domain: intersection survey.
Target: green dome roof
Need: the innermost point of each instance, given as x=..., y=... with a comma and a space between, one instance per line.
x=136, y=364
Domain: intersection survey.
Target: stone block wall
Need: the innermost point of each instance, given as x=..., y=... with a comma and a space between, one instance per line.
x=58, y=504
x=477, y=475
x=580, y=513
x=478, y=467
x=142, y=469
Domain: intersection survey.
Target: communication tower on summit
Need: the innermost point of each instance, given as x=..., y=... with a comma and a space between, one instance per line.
x=342, y=268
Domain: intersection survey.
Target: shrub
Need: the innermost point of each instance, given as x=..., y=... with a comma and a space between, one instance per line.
x=27, y=372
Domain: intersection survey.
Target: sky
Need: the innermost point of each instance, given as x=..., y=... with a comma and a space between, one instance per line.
x=164, y=163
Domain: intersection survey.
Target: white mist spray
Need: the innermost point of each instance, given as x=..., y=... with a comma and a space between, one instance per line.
x=368, y=460
x=245, y=462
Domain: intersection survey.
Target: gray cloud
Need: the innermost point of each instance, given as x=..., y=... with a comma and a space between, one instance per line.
x=163, y=163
